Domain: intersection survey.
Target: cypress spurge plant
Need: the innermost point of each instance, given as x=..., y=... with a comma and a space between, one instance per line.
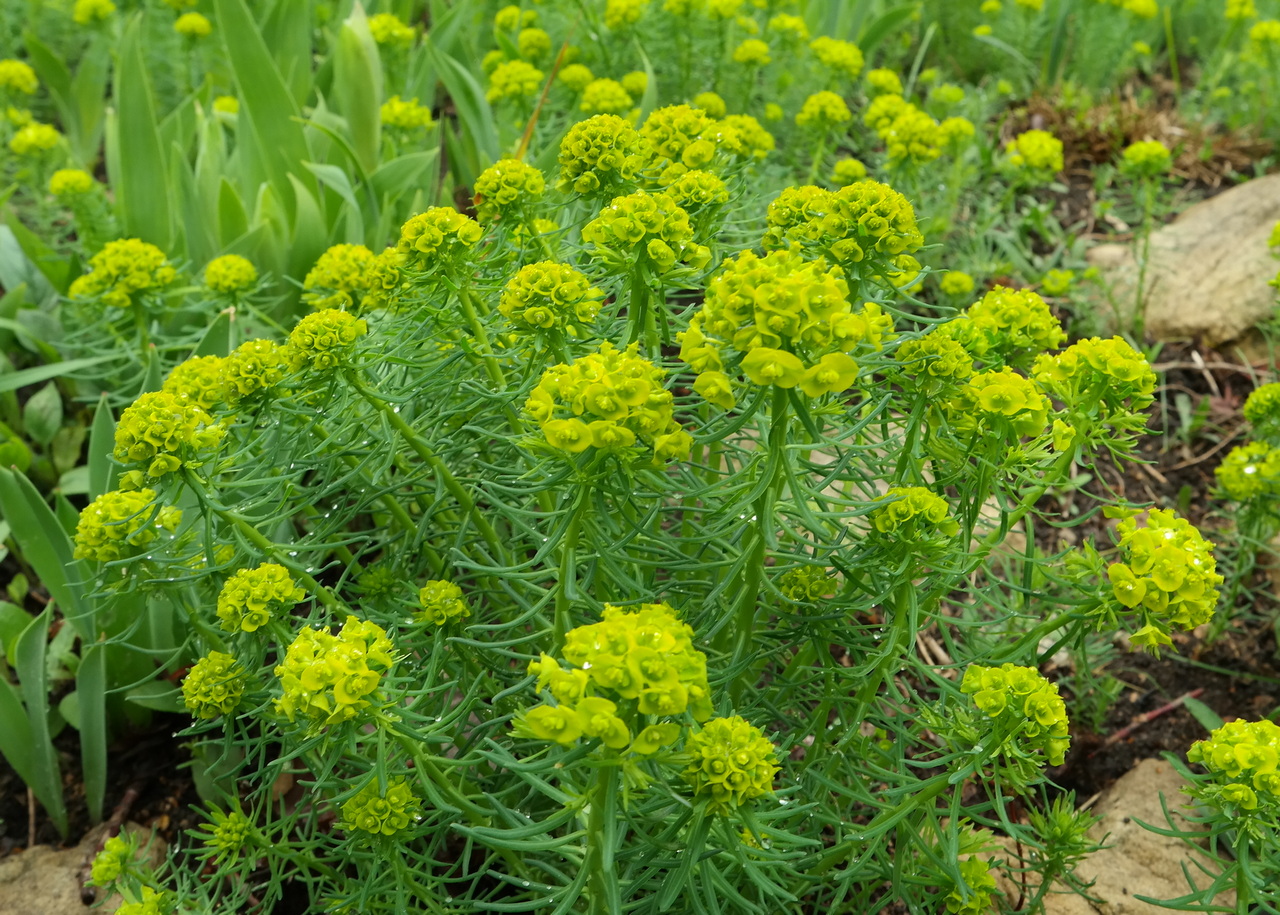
x=587, y=576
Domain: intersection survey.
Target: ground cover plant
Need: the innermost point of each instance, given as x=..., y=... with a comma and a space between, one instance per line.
x=613, y=456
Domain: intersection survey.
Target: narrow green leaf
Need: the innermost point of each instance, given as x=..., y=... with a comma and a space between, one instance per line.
x=162, y=697
x=197, y=231
x=287, y=31
x=396, y=177
x=1207, y=717
x=884, y=25
x=219, y=339
x=89, y=93
x=357, y=87
x=140, y=182
x=233, y=221
x=13, y=620
x=102, y=436
x=337, y=181
x=39, y=373
x=42, y=414
x=91, y=687
x=474, y=114
x=309, y=234
x=15, y=732
x=29, y=661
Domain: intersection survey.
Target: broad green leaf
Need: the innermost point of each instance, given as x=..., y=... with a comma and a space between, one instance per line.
x=29, y=661
x=219, y=339
x=91, y=688
x=140, y=179
x=309, y=233
x=884, y=25
x=233, y=221
x=15, y=732
x=398, y=176
x=89, y=93
x=196, y=229
x=16, y=268
x=336, y=180
x=101, y=443
x=357, y=87
x=13, y=620
x=57, y=268
x=475, y=117
x=42, y=414
x=75, y=482
x=287, y=31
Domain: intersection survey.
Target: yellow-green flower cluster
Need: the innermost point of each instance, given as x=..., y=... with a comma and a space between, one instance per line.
x=731, y=762
x=388, y=29
x=1262, y=408
x=439, y=602
x=842, y=58
x=381, y=814
x=824, y=111
x=600, y=156
x=1169, y=577
x=89, y=12
x=605, y=96
x=847, y=171
x=251, y=596
x=16, y=76
x=227, y=104
x=913, y=513
x=253, y=367
x=514, y=79
x=790, y=320
x=1038, y=153
x=327, y=678
x=1237, y=10
x=910, y=135
x=743, y=136
x=1146, y=159
x=883, y=81
x=576, y=77
x=863, y=221
x=70, y=182
x=405, y=114
x=712, y=103
x=1057, y=282
x=1106, y=379
x=151, y=901
x=549, y=296
x=198, y=379
x=230, y=274
x=339, y=277
x=34, y=139
x=626, y=674
x=163, y=431
x=622, y=14
x=1250, y=471
x=214, y=685
x=1243, y=758
x=115, y=858
x=607, y=400
x=1000, y=398
x=193, y=25
x=697, y=189
x=1009, y=324
x=935, y=361
x=122, y=524
x=121, y=270
x=681, y=134
x=511, y=17
x=438, y=241
x=533, y=43
x=956, y=283
x=752, y=52
x=324, y=339
x=506, y=188
x=226, y=834
x=1022, y=704
x=807, y=583
x=645, y=228
x=976, y=872
x=790, y=28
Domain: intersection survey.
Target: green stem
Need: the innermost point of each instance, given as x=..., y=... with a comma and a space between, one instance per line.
x=642, y=320
x=470, y=312
x=819, y=153
x=605, y=894
x=925, y=793
x=566, y=583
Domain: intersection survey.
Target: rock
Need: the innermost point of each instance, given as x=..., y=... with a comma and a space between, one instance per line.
x=46, y=881
x=1208, y=270
x=1136, y=861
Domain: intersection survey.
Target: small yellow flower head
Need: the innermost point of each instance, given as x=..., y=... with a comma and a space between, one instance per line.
x=790, y=28
x=824, y=111
x=807, y=584
x=70, y=182
x=991, y=7
x=507, y=19
x=491, y=61
x=254, y=367
x=946, y=95
x=389, y=30
x=752, y=52
x=34, y=140
x=230, y=274
x=731, y=762
x=1241, y=758
x=863, y=221
x=847, y=171
x=549, y=296
x=122, y=524
x=91, y=12
x=228, y=833
x=981, y=884
x=214, y=685
x=193, y=25
x=1262, y=409
x=326, y=678
x=533, y=44
x=696, y=190
x=576, y=77
x=711, y=103
x=1002, y=397
x=611, y=400
x=115, y=858
x=1169, y=576
x=1141, y=48
x=441, y=240
x=681, y=133
x=635, y=82
x=723, y=9
x=1036, y=5
x=600, y=157
x=982, y=31
x=842, y=58
x=179, y=5
x=506, y=188
x=1057, y=282
x=956, y=283
x=1004, y=87
x=605, y=96
x=911, y=136
x=199, y=380
x=1013, y=323
x=1237, y=10
x=121, y=270
x=1146, y=159
x=514, y=79
x=152, y=902
x=882, y=81
x=914, y=513
x=1023, y=704
x=1250, y=471
x=936, y=361
x=16, y=76
x=439, y=602
x=742, y=135
x=1037, y=152
x=405, y=115
x=252, y=596
x=163, y=432
x=339, y=277
x=649, y=228
x=623, y=14
x=773, y=112
x=1273, y=241
x=1143, y=9
x=324, y=339
x=380, y=814
x=227, y=104
x=1108, y=379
